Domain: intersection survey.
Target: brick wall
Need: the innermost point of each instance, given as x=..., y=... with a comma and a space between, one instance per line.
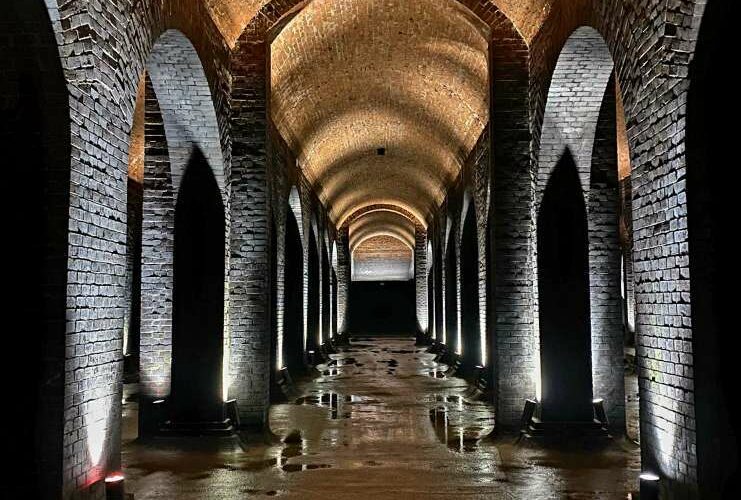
x=651, y=44
x=102, y=87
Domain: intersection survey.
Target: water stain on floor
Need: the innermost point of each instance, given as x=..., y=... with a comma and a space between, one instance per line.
x=383, y=421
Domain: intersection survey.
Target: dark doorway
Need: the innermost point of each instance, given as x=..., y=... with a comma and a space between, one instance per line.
x=293, y=297
x=334, y=303
x=198, y=296
x=451, y=296
x=312, y=311
x=563, y=288
x=431, y=303
x=470, y=292
x=35, y=139
x=439, y=313
x=326, y=293
x=712, y=213
x=386, y=307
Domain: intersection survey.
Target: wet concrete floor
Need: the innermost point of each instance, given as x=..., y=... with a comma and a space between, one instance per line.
x=380, y=421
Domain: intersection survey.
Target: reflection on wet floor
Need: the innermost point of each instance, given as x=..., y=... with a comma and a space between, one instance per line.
x=461, y=424
x=377, y=420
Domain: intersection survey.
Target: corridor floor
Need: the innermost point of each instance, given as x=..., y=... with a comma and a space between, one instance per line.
x=381, y=421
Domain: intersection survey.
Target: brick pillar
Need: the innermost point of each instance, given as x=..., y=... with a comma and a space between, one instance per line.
x=343, y=279
x=420, y=277
x=249, y=291
x=604, y=267
x=514, y=355
x=158, y=227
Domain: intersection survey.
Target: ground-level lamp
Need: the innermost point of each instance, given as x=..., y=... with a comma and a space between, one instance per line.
x=114, y=486
x=649, y=486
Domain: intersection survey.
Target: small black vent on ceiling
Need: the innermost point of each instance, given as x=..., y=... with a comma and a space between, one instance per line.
x=381, y=151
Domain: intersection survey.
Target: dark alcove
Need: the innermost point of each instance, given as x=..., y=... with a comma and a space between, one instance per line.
x=293, y=290
x=563, y=289
x=451, y=296
x=312, y=312
x=198, y=296
x=470, y=292
x=711, y=198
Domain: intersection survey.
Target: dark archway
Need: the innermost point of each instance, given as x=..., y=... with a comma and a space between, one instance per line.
x=431, y=302
x=293, y=297
x=326, y=295
x=313, y=290
x=563, y=289
x=335, y=301
x=198, y=296
x=470, y=319
x=712, y=243
x=35, y=139
x=439, y=316
x=451, y=296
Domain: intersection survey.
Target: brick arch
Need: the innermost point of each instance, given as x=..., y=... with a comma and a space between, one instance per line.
x=584, y=68
x=182, y=127
x=382, y=220
x=102, y=95
x=186, y=105
x=381, y=207
x=580, y=122
x=296, y=207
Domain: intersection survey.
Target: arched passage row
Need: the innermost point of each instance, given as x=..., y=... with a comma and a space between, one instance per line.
x=184, y=191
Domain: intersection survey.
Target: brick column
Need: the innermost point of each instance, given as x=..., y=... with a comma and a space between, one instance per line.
x=158, y=227
x=249, y=291
x=514, y=355
x=343, y=279
x=608, y=376
x=420, y=277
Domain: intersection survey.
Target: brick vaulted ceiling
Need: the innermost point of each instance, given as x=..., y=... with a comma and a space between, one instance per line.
x=352, y=77
x=380, y=100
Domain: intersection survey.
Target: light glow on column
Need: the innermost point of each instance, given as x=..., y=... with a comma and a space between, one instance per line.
x=536, y=380
x=96, y=427
x=226, y=379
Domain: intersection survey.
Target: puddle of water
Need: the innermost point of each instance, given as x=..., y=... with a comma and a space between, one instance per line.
x=457, y=426
x=335, y=402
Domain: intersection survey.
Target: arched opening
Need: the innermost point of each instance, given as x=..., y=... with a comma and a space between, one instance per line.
x=439, y=298
x=35, y=135
x=198, y=296
x=430, y=292
x=470, y=305
x=451, y=296
x=293, y=297
x=324, y=334
x=563, y=290
x=335, y=290
x=712, y=246
x=175, y=154
x=584, y=125
x=312, y=290
x=335, y=301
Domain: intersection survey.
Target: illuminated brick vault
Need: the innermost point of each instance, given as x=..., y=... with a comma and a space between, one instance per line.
x=530, y=178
